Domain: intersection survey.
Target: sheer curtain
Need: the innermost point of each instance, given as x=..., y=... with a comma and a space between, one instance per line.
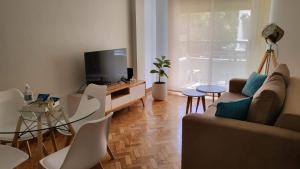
x=210, y=40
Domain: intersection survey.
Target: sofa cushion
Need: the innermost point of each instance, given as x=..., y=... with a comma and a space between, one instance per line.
x=290, y=116
x=227, y=97
x=283, y=71
x=237, y=109
x=268, y=101
x=253, y=83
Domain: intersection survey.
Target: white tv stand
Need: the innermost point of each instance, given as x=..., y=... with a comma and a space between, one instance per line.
x=118, y=96
x=122, y=95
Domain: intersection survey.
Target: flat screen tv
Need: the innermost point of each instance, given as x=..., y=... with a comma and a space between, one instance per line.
x=106, y=67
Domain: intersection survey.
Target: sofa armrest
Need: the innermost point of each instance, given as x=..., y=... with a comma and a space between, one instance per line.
x=236, y=85
x=212, y=142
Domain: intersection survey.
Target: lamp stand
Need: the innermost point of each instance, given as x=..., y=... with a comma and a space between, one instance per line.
x=269, y=55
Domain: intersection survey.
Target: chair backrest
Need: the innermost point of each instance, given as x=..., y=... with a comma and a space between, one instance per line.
x=11, y=102
x=89, y=144
x=98, y=92
x=85, y=107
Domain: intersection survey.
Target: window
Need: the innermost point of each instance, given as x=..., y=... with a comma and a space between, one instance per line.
x=208, y=41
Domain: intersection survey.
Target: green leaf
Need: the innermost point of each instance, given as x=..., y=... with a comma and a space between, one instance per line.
x=166, y=74
x=163, y=57
x=166, y=65
x=161, y=72
x=154, y=71
x=158, y=65
x=159, y=60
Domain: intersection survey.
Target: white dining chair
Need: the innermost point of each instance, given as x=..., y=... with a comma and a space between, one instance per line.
x=88, y=146
x=11, y=102
x=11, y=157
x=86, y=107
x=98, y=92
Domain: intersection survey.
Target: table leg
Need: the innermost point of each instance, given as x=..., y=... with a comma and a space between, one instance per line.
x=72, y=131
x=52, y=135
x=219, y=95
x=213, y=95
x=198, y=100
x=187, y=105
x=28, y=148
x=203, y=103
x=191, y=104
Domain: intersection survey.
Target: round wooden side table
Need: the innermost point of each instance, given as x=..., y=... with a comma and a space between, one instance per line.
x=190, y=93
x=211, y=89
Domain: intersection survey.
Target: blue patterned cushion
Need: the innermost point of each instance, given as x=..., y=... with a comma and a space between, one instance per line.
x=235, y=109
x=253, y=83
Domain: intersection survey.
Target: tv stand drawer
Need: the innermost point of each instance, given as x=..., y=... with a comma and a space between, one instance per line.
x=118, y=102
x=137, y=92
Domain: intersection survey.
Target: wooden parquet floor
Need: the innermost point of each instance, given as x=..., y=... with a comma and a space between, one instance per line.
x=140, y=138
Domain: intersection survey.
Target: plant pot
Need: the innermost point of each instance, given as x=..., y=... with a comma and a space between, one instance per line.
x=159, y=90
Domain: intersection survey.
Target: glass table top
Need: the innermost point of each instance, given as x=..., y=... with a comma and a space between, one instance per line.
x=211, y=89
x=58, y=116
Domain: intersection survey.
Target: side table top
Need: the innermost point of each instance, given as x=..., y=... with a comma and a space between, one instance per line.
x=192, y=93
x=211, y=89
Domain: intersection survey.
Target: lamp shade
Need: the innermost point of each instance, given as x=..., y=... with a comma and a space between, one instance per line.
x=273, y=33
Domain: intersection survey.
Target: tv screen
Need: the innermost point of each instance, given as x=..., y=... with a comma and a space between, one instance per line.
x=105, y=67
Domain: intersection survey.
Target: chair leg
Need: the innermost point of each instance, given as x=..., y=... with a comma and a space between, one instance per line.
x=68, y=140
x=99, y=165
x=45, y=150
x=110, y=153
x=54, y=144
x=142, y=100
x=28, y=149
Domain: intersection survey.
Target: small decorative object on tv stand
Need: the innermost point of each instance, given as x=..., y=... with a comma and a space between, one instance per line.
x=159, y=88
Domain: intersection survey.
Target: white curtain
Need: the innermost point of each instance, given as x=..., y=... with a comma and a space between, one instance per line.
x=210, y=41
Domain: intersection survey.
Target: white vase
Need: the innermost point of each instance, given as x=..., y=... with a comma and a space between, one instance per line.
x=159, y=90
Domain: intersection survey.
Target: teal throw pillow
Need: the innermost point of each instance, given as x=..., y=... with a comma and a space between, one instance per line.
x=235, y=109
x=253, y=83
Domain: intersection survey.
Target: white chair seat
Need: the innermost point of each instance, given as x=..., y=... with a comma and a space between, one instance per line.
x=11, y=157
x=55, y=160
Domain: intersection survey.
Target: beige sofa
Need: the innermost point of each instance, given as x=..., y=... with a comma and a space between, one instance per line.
x=210, y=142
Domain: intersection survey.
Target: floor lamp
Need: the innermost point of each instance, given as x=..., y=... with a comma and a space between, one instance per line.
x=272, y=34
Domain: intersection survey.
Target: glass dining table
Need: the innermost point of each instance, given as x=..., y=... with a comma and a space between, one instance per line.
x=34, y=121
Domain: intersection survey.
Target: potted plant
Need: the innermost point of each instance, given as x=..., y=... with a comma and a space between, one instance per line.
x=159, y=88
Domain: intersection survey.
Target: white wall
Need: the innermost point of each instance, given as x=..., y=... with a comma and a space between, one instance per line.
x=285, y=13
x=42, y=42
